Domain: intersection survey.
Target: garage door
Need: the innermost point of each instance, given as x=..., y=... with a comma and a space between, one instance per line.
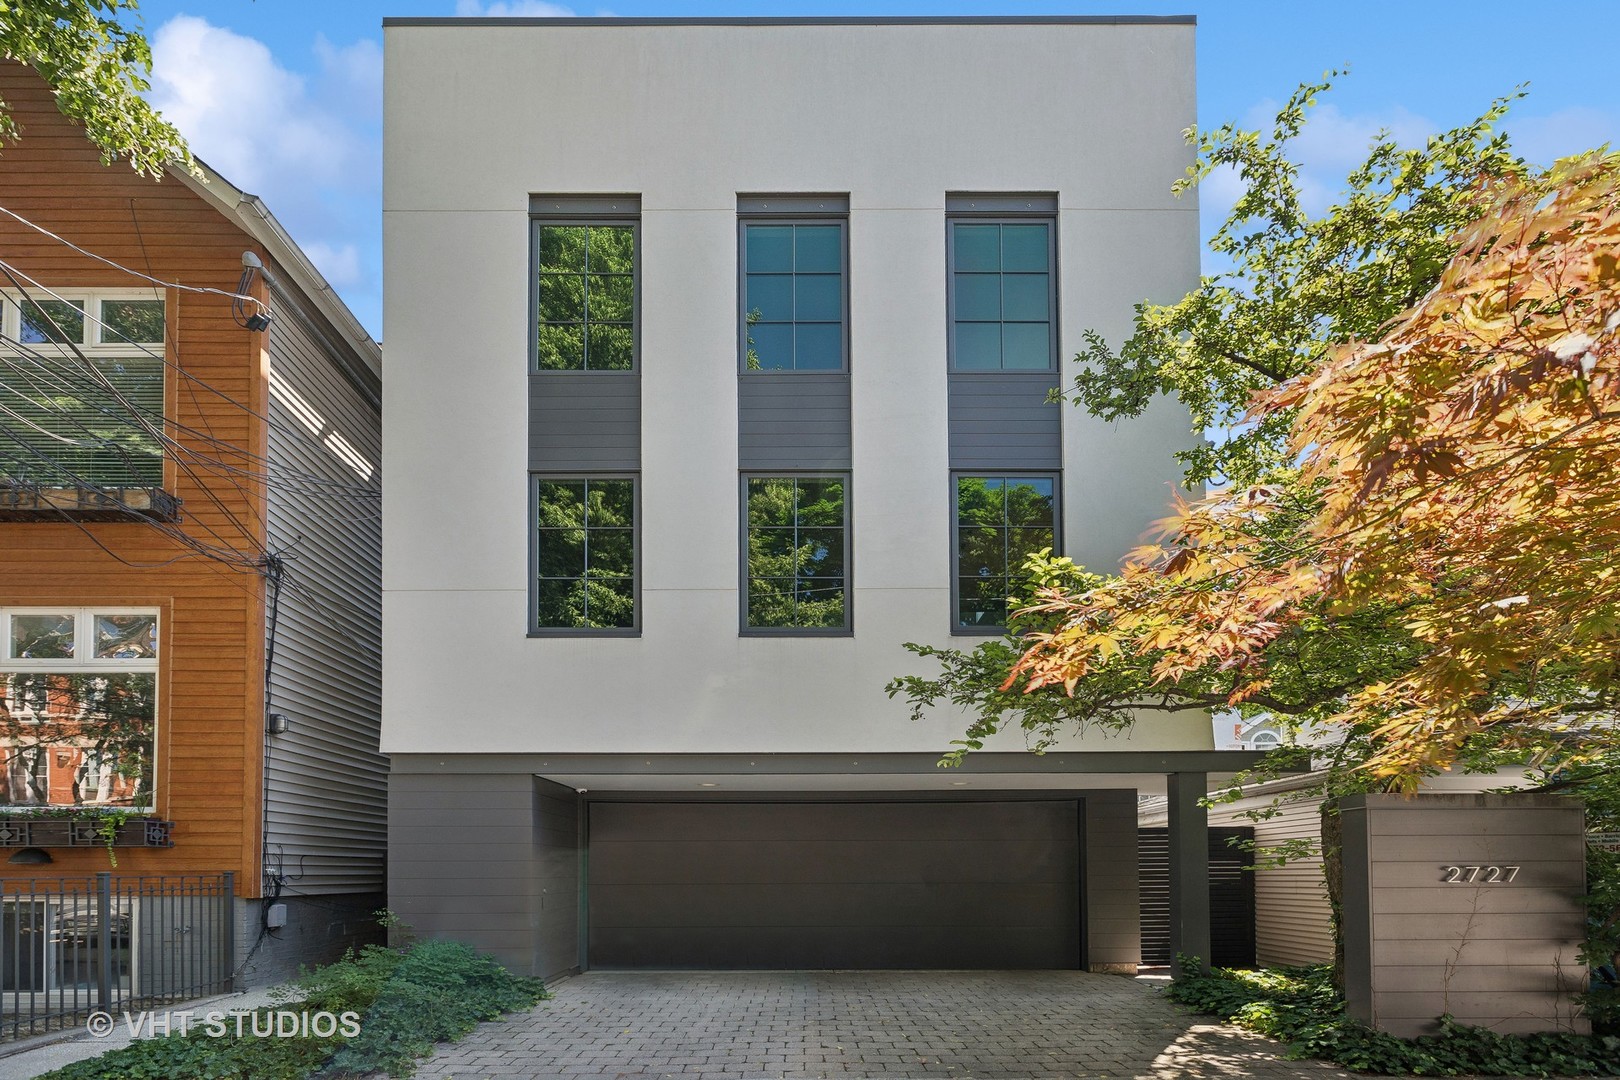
x=835, y=885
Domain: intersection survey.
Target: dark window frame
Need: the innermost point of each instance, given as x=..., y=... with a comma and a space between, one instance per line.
x=1000, y=217
x=620, y=220
x=747, y=218
x=988, y=630
x=535, y=629
x=743, y=577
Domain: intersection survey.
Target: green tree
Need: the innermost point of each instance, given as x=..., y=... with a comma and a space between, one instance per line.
x=585, y=553
x=1297, y=283
x=586, y=292
x=796, y=574
x=97, y=68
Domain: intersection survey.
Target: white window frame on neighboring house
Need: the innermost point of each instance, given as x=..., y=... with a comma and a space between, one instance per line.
x=62, y=449
x=83, y=661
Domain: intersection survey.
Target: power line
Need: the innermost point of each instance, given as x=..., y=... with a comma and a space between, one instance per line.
x=364, y=489
x=236, y=297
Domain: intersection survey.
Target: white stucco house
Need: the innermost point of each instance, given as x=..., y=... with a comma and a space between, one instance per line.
x=719, y=353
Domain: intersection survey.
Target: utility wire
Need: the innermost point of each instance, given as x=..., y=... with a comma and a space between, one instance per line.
x=234, y=296
x=193, y=381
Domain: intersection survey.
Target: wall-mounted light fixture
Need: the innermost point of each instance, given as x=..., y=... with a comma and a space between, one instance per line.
x=259, y=319
x=277, y=723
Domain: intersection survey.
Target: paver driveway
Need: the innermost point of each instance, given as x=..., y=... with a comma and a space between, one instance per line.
x=736, y=1025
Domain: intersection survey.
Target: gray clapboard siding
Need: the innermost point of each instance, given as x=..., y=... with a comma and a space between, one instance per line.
x=1292, y=914
x=325, y=806
x=793, y=420
x=1002, y=420
x=584, y=420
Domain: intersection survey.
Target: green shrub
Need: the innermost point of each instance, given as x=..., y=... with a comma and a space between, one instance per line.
x=1301, y=1007
x=440, y=991
x=407, y=1000
x=352, y=982
x=1601, y=1005
x=196, y=1056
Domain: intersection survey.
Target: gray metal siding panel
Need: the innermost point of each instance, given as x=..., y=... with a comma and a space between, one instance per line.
x=584, y=420
x=464, y=861
x=1113, y=929
x=1002, y=420
x=326, y=781
x=793, y=420
x=556, y=878
x=817, y=885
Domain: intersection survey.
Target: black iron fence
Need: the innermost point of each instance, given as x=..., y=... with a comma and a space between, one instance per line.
x=71, y=946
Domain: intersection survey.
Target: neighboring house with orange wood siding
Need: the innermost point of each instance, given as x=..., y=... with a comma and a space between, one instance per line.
x=190, y=543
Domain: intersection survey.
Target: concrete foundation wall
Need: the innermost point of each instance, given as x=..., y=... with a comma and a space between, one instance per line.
x=318, y=930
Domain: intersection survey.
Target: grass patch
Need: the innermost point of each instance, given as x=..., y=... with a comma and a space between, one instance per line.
x=399, y=1003
x=1301, y=1007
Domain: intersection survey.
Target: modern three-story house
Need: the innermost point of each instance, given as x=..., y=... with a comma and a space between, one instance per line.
x=720, y=353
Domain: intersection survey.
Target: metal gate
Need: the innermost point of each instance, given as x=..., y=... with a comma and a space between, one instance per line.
x=72, y=946
x=1231, y=897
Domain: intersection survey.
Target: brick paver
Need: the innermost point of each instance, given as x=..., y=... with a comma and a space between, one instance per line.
x=1034, y=1025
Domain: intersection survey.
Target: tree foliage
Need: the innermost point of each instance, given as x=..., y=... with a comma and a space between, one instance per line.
x=1459, y=471
x=796, y=567
x=1297, y=284
x=96, y=66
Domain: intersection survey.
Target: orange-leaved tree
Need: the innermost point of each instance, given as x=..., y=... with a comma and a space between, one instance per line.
x=1461, y=475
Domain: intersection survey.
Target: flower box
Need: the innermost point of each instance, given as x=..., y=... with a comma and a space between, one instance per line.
x=16, y=832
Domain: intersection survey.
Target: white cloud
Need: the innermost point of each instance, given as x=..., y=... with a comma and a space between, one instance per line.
x=245, y=114
x=338, y=263
x=351, y=74
x=310, y=146
x=1542, y=140
x=1332, y=143
x=507, y=9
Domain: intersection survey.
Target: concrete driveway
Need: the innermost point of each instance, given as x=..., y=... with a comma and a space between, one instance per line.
x=948, y=1024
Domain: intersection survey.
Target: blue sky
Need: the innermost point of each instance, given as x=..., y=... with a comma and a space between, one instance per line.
x=284, y=96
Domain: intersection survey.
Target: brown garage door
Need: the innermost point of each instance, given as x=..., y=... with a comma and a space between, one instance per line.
x=835, y=885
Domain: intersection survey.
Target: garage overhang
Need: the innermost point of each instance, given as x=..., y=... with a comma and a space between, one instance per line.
x=1141, y=770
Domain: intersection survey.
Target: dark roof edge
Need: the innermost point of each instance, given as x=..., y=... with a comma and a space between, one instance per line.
x=825, y=20
x=787, y=763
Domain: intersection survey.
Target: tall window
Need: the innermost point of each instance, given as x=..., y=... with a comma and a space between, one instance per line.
x=796, y=571
x=999, y=521
x=81, y=389
x=793, y=296
x=1002, y=295
x=585, y=296
x=78, y=706
x=584, y=554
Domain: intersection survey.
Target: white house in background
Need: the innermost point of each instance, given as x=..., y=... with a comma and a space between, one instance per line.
x=719, y=356
x=1234, y=732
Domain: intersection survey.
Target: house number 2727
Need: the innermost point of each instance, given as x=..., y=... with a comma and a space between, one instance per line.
x=1483, y=875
